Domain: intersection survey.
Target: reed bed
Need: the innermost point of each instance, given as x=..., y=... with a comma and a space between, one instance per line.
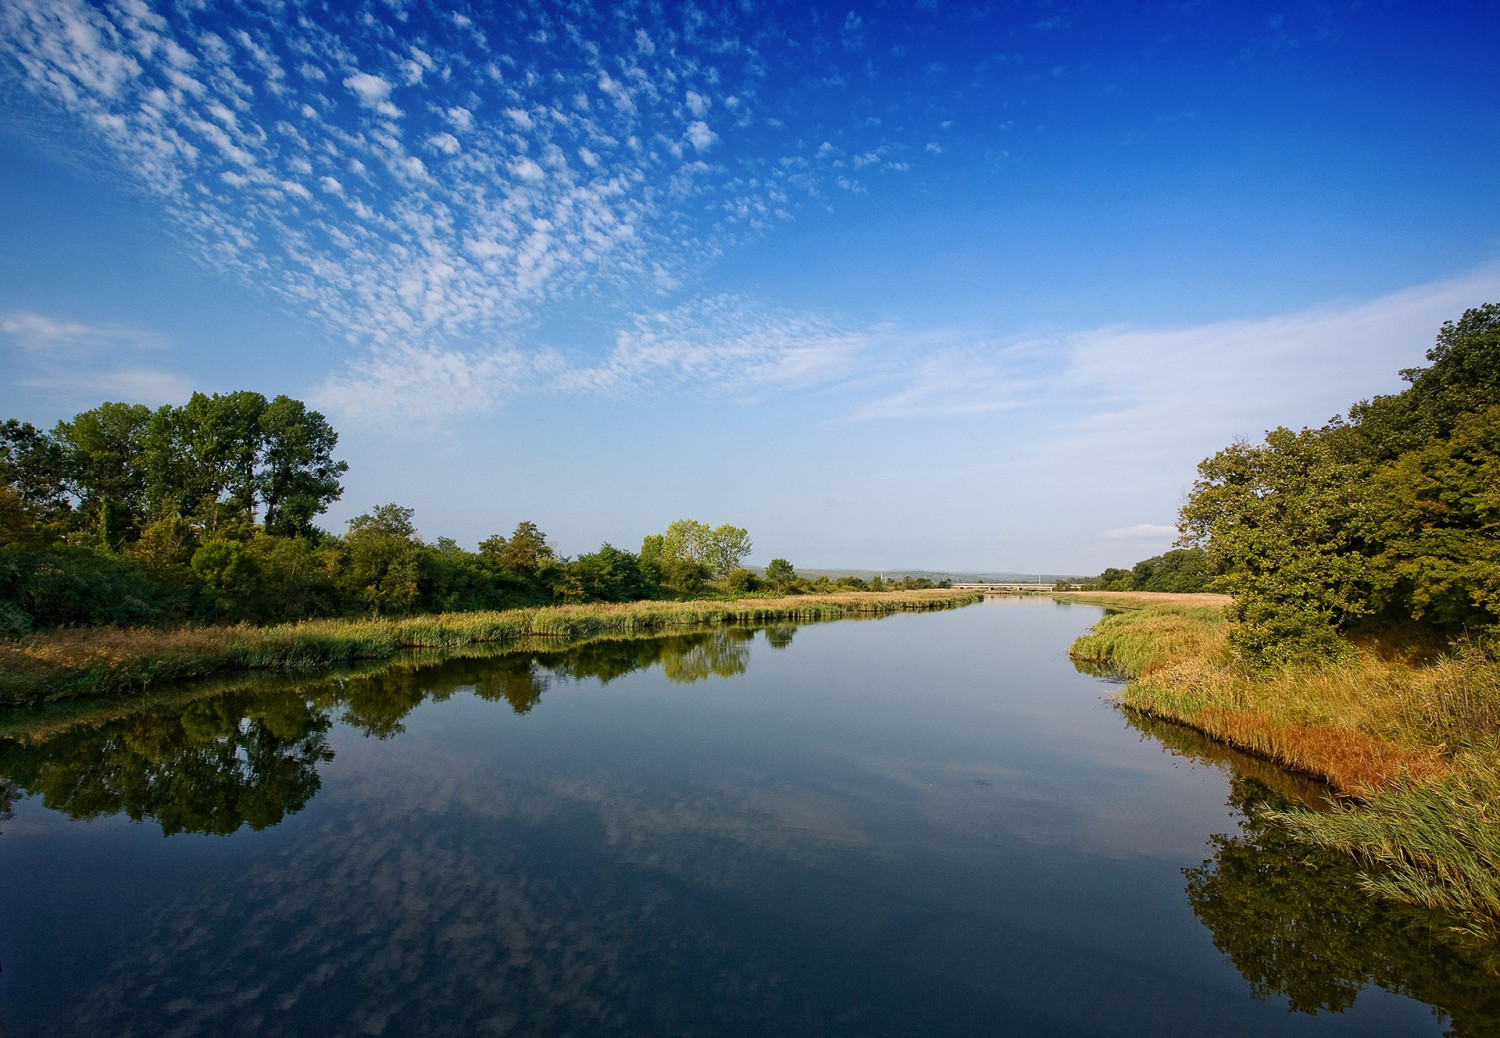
x=1435, y=845
x=1411, y=747
x=1151, y=634
x=80, y=662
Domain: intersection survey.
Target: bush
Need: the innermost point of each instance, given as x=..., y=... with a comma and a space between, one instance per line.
x=741, y=582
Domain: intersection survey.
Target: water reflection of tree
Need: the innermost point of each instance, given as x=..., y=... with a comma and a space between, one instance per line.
x=779, y=636
x=518, y=682
x=724, y=653
x=9, y=794
x=1295, y=923
x=209, y=767
x=683, y=658
x=250, y=756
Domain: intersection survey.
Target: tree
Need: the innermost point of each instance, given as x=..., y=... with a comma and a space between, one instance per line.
x=609, y=575
x=525, y=560
x=741, y=582
x=1387, y=517
x=34, y=465
x=719, y=550
x=384, y=569
x=1464, y=379
x=686, y=540
x=1435, y=513
x=298, y=477
x=1179, y=571
x=1277, y=524
x=104, y=461
x=228, y=573
x=237, y=458
x=525, y=551
x=781, y=573
x=728, y=546
x=678, y=555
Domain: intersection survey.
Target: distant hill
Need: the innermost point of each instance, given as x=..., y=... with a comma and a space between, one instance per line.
x=957, y=576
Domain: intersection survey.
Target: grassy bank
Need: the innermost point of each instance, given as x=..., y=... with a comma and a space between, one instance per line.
x=1409, y=739
x=80, y=662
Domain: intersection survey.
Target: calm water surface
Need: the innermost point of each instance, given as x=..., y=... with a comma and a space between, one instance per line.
x=928, y=824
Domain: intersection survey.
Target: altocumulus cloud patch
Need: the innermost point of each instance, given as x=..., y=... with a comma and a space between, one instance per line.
x=426, y=180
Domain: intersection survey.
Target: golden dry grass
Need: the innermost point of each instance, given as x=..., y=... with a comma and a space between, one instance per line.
x=1137, y=599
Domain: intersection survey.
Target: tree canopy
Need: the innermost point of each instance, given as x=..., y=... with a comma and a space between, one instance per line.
x=1391, y=515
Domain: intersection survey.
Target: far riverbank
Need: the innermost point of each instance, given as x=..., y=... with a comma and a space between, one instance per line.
x=111, y=661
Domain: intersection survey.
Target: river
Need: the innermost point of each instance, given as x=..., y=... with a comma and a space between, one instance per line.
x=926, y=824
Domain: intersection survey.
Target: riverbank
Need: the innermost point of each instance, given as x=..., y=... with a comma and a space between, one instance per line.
x=110, y=661
x=1409, y=738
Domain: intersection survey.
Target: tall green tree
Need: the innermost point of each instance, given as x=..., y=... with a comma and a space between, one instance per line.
x=1435, y=514
x=525, y=561
x=240, y=459
x=298, y=477
x=384, y=559
x=719, y=550
x=104, y=452
x=781, y=573
x=1463, y=378
x=1276, y=521
x=34, y=465
x=728, y=547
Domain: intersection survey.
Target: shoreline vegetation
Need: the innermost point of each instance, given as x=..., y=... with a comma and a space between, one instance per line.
x=1405, y=733
x=70, y=663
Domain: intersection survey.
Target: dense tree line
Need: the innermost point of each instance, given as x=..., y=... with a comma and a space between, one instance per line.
x=1390, y=515
x=205, y=513
x=1179, y=571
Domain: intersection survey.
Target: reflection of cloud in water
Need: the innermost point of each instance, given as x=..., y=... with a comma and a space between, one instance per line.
x=1129, y=813
x=441, y=905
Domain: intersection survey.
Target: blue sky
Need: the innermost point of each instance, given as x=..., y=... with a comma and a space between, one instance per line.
x=948, y=285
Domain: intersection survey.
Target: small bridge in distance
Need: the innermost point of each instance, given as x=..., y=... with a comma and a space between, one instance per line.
x=1000, y=587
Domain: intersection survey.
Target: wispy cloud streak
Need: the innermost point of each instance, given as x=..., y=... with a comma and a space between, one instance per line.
x=80, y=363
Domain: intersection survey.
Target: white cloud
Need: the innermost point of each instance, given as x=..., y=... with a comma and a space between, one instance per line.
x=70, y=361
x=565, y=172
x=430, y=384
x=371, y=90
x=700, y=136
x=461, y=118
x=727, y=344
x=1164, y=399
x=526, y=169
